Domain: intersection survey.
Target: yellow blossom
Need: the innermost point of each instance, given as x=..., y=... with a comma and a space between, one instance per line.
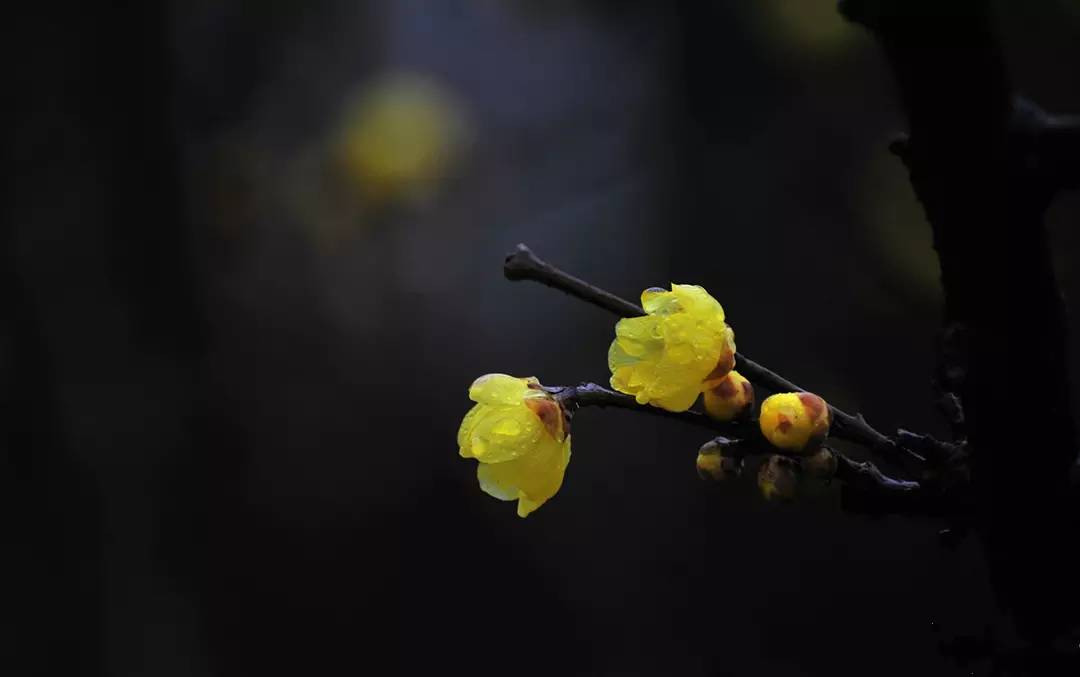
x=796, y=422
x=517, y=431
x=668, y=356
x=730, y=398
x=400, y=137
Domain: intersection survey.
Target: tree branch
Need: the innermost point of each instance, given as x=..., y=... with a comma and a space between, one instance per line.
x=867, y=489
x=523, y=264
x=985, y=164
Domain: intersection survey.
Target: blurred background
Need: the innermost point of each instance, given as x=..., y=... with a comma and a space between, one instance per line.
x=252, y=261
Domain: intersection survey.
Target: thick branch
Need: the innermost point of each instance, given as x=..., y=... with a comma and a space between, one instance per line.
x=1057, y=146
x=523, y=264
x=985, y=163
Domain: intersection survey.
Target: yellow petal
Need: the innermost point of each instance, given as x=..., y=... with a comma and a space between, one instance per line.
x=533, y=478
x=468, y=424
x=499, y=389
x=697, y=301
x=657, y=300
x=505, y=433
x=665, y=357
x=680, y=400
x=526, y=506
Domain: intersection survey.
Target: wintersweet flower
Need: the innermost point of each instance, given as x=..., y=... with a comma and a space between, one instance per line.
x=796, y=422
x=730, y=398
x=518, y=433
x=401, y=137
x=668, y=356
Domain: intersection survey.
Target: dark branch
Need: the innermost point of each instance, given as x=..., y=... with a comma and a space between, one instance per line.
x=867, y=477
x=1056, y=146
x=523, y=264
x=593, y=395
x=867, y=488
x=985, y=165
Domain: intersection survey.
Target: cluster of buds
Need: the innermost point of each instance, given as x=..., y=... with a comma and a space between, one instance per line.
x=795, y=424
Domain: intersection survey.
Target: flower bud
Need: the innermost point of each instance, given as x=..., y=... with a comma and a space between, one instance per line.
x=714, y=464
x=731, y=397
x=797, y=422
x=778, y=478
x=821, y=464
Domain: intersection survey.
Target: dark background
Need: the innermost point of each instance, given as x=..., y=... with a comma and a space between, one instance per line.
x=232, y=373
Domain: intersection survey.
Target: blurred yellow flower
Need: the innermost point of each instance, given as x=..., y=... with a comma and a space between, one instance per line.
x=796, y=422
x=667, y=357
x=517, y=431
x=729, y=398
x=399, y=138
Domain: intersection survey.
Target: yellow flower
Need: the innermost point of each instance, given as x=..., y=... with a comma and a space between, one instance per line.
x=730, y=398
x=401, y=137
x=517, y=431
x=667, y=357
x=796, y=422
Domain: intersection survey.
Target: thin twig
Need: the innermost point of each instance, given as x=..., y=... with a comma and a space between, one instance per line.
x=523, y=264
x=594, y=395
x=861, y=476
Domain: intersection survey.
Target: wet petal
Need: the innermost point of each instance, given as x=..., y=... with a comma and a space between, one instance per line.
x=664, y=358
x=535, y=477
x=468, y=424
x=499, y=389
x=505, y=433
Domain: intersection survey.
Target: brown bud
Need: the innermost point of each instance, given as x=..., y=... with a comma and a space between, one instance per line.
x=821, y=464
x=729, y=398
x=778, y=478
x=714, y=464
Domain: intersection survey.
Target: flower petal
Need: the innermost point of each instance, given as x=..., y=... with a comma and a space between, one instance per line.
x=499, y=389
x=505, y=433
x=665, y=357
x=465, y=431
x=533, y=478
